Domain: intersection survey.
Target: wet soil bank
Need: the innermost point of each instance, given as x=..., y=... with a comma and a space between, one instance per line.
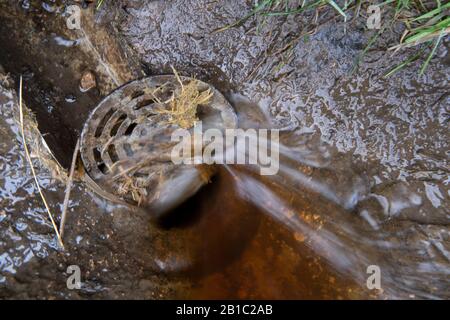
x=391, y=132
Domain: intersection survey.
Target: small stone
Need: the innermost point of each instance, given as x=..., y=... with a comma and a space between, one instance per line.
x=299, y=237
x=87, y=81
x=70, y=98
x=25, y=4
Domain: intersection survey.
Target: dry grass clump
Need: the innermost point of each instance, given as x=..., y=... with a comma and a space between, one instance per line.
x=127, y=184
x=131, y=186
x=37, y=145
x=184, y=103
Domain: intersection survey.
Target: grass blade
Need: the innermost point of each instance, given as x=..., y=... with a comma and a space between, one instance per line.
x=425, y=65
x=255, y=10
x=338, y=9
x=427, y=31
x=68, y=189
x=432, y=13
x=371, y=42
x=99, y=4
x=404, y=63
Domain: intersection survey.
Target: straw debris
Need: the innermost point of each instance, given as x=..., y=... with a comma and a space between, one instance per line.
x=184, y=103
x=27, y=153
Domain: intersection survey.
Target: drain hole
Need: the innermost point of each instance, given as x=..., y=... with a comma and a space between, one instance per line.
x=144, y=103
x=117, y=125
x=128, y=150
x=140, y=175
x=130, y=129
x=97, y=155
x=103, y=122
x=188, y=212
x=102, y=167
x=137, y=94
x=100, y=164
x=112, y=153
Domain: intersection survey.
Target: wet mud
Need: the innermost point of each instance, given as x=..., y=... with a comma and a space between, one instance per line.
x=370, y=188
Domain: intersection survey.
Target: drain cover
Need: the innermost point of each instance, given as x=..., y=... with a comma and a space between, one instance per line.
x=125, y=143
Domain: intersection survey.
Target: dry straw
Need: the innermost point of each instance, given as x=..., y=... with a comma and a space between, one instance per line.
x=27, y=153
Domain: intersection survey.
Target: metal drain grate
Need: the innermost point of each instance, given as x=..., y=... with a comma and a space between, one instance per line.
x=126, y=125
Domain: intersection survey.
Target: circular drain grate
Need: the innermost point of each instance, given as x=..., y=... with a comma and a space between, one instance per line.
x=125, y=143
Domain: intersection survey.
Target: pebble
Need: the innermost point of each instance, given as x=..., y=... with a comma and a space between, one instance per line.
x=70, y=98
x=87, y=81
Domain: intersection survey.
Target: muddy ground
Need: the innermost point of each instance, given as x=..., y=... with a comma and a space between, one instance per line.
x=294, y=72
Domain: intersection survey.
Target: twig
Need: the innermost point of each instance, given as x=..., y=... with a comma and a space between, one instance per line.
x=68, y=188
x=32, y=168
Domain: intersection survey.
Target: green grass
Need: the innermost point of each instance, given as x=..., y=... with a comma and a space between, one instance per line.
x=426, y=27
x=99, y=4
x=426, y=22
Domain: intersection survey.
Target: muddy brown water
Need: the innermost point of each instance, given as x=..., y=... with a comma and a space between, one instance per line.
x=369, y=183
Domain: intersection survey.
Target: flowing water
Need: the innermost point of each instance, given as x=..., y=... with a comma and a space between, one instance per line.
x=363, y=174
